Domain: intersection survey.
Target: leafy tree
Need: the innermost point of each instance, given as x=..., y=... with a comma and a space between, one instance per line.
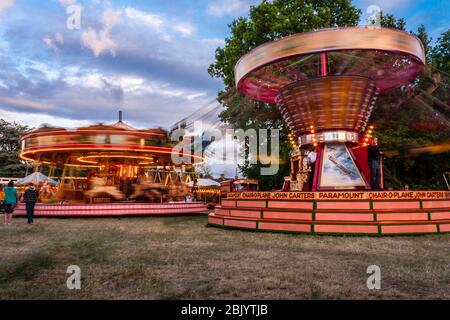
x=10, y=163
x=389, y=21
x=405, y=122
x=426, y=41
x=441, y=53
x=266, y=22
x=204, y=171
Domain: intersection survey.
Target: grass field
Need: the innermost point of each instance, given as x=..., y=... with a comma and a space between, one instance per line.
x=181, y=258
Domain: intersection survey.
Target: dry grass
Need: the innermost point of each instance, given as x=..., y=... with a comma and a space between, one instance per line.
x=180, y=258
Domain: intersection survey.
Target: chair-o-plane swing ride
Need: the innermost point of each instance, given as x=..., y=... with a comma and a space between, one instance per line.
x=325, y=84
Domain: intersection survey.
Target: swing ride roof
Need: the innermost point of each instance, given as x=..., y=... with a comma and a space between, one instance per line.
x=329, y=78
x=94, y=145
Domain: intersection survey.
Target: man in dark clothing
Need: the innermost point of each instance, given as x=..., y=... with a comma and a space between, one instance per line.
x=30, y=197
x=373, y=155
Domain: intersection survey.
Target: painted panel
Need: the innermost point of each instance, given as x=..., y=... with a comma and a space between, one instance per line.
x=284, y=227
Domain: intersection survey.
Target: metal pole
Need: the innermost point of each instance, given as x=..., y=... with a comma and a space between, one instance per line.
x=381, y=173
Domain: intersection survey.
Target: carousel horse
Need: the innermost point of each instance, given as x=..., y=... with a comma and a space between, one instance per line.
x=147, y=189
x=99, y=187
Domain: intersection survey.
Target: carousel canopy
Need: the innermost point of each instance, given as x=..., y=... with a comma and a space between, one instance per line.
x=100, y=144
x=329, y=79
x=36, y=178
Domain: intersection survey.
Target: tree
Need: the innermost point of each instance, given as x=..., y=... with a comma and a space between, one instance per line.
x=426, y=41
x=441, y=53
x=389, y=21
x=204, y=171
x=10, y=163
x=266, y=22
x=404, y=123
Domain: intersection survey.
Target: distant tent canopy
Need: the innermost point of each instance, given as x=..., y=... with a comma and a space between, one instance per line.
x=204, y=183
x=36, y=178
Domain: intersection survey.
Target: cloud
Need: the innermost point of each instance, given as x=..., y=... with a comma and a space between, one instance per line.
x=102, y=41
x=6, y=4
x=67, y=3
x=184, y=29
x=385, y=5
x=23, y=103
x=154, y=81
x=58, y=38
x=49, y=42
x=35, y=120
x=222, y=8
x=161, y=23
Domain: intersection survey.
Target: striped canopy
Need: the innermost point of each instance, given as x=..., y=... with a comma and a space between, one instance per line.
x=36, y=178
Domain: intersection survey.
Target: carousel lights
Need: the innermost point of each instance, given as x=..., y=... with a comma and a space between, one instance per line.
x=160, y=150
x=292, y=140
x=314, y=137
x=83, y=166
x=368, y=136
x=85, y=159
x=128, y=171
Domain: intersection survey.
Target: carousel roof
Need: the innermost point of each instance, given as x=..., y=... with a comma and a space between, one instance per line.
x=389, y=57
x=330, y=78
x=122, y=125
x=95, y=144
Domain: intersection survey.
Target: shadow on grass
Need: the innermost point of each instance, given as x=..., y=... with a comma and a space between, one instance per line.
x=184, y=219
x=26, y=268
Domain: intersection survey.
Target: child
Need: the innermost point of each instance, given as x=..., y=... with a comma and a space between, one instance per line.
x=10, y=201
x=2, y=199
x=30, y=197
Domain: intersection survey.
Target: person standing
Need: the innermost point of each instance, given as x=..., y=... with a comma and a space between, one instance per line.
x=10, y=202
x=312, y=157
x=30, y=197
x=373, y=155
x=2, y=199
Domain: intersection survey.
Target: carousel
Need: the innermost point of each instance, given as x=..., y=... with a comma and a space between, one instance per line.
x=326, y=83
x=108, y=170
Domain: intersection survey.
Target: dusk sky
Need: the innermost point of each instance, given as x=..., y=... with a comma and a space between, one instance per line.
x=148, y=58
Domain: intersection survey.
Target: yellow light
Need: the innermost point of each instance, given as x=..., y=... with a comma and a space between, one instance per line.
x=163, y=150
x=82, y=166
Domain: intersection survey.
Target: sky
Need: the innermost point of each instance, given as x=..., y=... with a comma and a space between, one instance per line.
x=147, y=58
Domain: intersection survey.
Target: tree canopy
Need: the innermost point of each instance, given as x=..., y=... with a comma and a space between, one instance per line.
x=10, y=163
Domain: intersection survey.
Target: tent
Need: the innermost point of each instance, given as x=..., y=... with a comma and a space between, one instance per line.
x=208, y=190
x=204, y=183
x=36, y=178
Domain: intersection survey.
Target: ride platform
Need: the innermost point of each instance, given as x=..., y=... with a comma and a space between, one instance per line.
x=114, y=209
x=374, y=213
